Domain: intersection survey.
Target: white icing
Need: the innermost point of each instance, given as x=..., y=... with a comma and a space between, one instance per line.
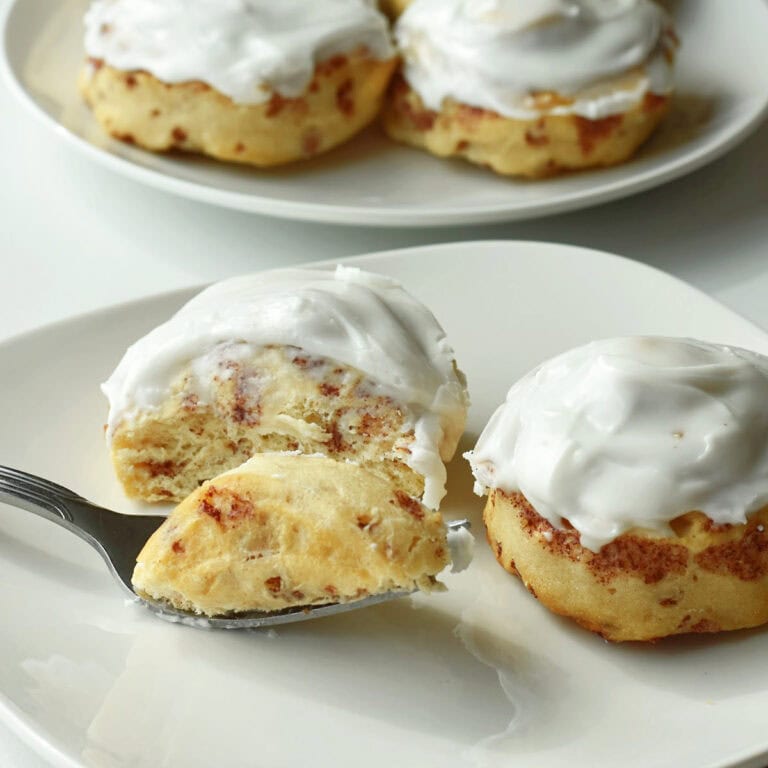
x=357, y=318
x=604, y=54
x=633, y=432
x=246, y=49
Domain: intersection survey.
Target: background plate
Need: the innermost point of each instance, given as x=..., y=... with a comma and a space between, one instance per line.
x=722, y=94
x=480, y=676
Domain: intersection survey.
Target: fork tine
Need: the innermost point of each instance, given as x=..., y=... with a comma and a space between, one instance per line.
x=32, y=482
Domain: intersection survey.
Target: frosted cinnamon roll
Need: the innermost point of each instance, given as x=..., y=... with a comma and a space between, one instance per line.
x=627, y=486
x=531, y=88
x=249, y=81
x=346, y=364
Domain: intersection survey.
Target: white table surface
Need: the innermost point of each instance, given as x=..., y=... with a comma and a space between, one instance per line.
x=76, y=237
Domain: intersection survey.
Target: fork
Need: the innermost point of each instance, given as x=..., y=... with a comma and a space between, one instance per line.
x=118, y=538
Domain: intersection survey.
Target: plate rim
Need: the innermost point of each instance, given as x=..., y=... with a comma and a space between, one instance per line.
x=361, y=258
x=23, y=727
x=23, y=730
x=373, y=216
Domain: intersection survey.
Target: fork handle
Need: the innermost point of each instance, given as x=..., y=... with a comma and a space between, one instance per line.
x=53, y=502
x=35, y=495
x=117, y=538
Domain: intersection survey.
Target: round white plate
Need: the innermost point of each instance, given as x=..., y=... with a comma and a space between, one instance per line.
x=722, y=94
x=482, y=675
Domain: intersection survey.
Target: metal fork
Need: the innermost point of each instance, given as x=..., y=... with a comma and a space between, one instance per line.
x=118, y=538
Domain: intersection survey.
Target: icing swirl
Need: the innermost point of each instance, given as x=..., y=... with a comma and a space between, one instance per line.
x=631, y=433
x=246, y=49
x=595, y=57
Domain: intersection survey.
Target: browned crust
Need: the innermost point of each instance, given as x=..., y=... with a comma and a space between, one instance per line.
x=343, y=97
x=536, y=148
x=642, y=585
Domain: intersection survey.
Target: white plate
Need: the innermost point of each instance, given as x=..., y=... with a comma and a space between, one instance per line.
x=480, y=676
x=723, y=93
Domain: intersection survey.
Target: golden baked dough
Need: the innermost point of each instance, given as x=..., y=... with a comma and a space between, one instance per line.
x=641, y=586
x=286, y=530
x=532, y=148
x=278, y=399
x=343, y=97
